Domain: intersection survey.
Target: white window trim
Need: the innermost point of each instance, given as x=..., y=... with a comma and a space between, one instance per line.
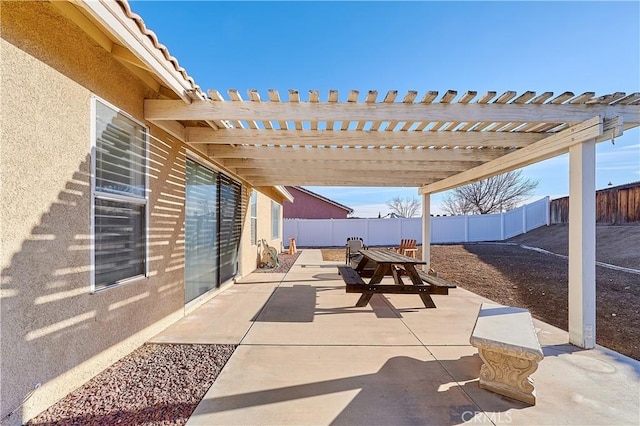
x=116, y=197
x=254, y=242
x=275, y=237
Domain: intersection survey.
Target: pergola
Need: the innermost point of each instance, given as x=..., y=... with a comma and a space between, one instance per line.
x=413, y=142
x=433, y=142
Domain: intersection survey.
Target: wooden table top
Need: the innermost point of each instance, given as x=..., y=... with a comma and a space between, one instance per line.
x=389, y=256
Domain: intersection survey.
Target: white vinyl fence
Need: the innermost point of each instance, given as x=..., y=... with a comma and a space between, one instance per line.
x=444, y=229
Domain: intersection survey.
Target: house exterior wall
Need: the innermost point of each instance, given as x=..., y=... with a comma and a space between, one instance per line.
x=250, y=255
x=306, y=206
x=55, y=334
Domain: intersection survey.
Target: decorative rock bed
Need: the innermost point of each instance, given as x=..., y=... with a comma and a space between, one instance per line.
x=155, y=384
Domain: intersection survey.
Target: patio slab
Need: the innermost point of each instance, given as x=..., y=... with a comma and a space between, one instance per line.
x=449, y=324
x=304, y=385
x=573, y=387
x=303, y=315
x=307, y=356
x=225, y=319
x=261, y=278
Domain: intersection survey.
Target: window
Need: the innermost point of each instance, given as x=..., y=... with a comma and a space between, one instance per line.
x=275, y=220
x=119, y=197
x=254, y=218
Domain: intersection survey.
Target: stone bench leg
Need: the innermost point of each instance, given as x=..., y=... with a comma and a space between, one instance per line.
x=508, y=374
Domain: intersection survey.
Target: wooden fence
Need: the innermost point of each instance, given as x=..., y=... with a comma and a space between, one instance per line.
x=615, y=206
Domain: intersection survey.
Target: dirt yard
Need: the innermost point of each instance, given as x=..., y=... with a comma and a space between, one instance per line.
x=515, y=276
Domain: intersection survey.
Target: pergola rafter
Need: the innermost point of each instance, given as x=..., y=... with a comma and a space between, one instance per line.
x=354, y=154
x=202, y=135
x=329, y=165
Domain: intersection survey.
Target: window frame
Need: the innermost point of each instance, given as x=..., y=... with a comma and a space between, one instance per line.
x=275, y=235
x=109, y=196
x=253, y=218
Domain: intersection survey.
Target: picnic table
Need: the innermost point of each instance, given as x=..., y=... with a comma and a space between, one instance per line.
x=390, y=263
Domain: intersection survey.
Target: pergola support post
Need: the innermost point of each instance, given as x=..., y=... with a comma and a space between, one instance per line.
x=582, y=244
x=426, y=231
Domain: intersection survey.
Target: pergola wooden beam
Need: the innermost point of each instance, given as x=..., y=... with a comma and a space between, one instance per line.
x=415, y=176
x=203, y=135
x=240, y=164
x=539, y=151
x=173, y=128
x=330, y=181
x=393, y=111
x=354, y=154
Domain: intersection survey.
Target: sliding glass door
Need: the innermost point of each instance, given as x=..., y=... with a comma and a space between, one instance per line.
x=201, y=231
x=230, y=226
x=213, y=226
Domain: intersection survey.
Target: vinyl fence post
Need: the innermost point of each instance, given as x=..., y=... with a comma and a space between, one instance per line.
x=298, y=230
x=366, y=232
x=524, y=219
x=466, y=228
x=333, y=242
x=548, y=212
x=426, y=231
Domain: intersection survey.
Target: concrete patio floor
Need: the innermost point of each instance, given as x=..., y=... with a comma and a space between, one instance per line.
x=307, y=356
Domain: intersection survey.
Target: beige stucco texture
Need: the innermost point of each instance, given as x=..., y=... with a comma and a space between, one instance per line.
x=250, y=253
x=55, y=332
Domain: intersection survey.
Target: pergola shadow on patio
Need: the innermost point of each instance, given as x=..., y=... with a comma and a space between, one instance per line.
x=306, y=355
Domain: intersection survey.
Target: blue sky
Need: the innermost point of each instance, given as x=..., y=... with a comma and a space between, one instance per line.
x=481, y=46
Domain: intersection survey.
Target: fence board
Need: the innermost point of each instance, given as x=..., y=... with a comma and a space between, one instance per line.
x=617, y=205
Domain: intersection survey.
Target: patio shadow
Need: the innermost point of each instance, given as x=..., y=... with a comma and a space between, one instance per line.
x=404, y=391
x=289, y=304
x=299, y=304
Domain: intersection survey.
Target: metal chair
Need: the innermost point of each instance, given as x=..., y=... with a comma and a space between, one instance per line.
x=351, y=248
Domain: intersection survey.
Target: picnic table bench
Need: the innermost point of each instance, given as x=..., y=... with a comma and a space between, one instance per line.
x=390, y=263
x=442, y=286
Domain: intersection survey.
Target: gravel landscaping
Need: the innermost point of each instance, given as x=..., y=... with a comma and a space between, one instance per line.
x=285, y=262
x=154, y=385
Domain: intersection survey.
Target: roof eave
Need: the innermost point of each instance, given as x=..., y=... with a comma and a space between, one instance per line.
x=129, y=30
x=285, y=194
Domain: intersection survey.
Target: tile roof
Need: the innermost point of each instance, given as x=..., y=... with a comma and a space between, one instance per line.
x=126, y=8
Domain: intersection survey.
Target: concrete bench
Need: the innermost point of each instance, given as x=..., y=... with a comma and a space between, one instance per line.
x=509, y=347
